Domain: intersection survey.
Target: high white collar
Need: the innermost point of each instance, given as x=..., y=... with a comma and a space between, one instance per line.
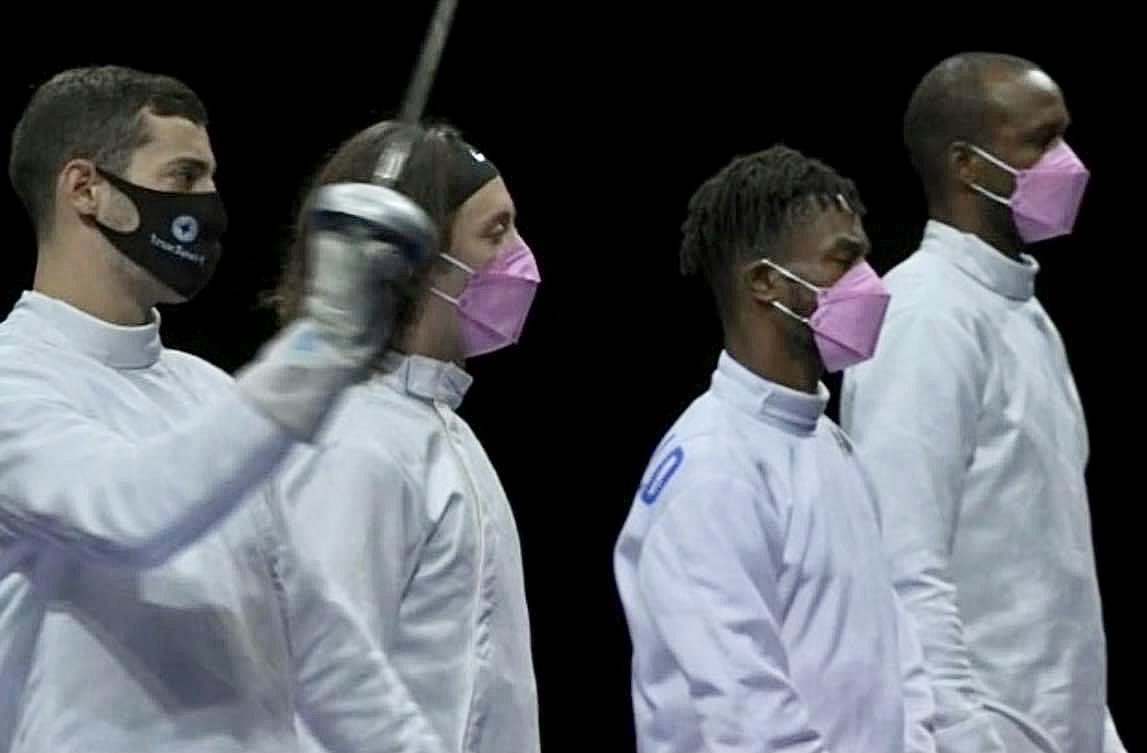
x=114, y=345
x=426, y=378
x=981, y=261
x=792, y=410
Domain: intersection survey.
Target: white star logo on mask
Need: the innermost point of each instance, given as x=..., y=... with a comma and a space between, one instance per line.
x=185, y=229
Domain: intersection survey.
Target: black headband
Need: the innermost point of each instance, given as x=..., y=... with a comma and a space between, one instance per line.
x=467, y=173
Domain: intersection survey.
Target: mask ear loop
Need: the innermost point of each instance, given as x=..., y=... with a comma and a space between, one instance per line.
x=793, y=314
x=998, y=163
x=807, y=285
x=993, y=159
x=458, y=264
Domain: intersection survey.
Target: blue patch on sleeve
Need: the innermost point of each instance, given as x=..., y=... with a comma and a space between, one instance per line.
x=305, y=342
x=661, y=475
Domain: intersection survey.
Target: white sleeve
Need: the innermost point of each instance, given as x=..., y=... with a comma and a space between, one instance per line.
x=70, y=482
x=708, y=578
x=912, y=413
x=347, y=692
x=919, y=705
x=1111, y=741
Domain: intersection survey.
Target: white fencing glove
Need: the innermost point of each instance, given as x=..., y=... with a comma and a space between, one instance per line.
x=367, y=239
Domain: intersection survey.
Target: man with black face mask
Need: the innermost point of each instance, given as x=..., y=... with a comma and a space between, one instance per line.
x=149, y=597
x=969, y=421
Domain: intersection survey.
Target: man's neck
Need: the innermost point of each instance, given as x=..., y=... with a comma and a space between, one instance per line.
x=771, y=360
x=83, y=282
x=428, y=336
x=1008, y=244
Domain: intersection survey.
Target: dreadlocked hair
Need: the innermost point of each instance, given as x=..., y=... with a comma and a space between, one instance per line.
x=747, y=210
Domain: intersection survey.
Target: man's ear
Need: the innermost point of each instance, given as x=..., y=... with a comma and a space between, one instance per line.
x=960, y=161
x=762, y=282
x=80, y=186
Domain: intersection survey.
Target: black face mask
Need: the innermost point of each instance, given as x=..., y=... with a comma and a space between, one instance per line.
x=177, y=240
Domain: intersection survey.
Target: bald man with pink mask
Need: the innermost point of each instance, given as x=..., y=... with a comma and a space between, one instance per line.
x=970, y=424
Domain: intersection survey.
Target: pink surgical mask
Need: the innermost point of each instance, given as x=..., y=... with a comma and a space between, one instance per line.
x=848, y=316
x=496, y=300
x=1047, y=196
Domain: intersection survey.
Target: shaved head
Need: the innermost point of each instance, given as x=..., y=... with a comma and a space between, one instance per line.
x=958, y=101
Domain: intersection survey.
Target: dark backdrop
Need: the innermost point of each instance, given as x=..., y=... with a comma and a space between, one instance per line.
x=603, y=127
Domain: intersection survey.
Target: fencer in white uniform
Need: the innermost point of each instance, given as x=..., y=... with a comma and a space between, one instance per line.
x=758, y=599
x=399, y=502
x=970, y=424
x=149, y=596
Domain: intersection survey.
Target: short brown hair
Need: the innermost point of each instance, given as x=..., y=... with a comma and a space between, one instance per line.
x=90, y=113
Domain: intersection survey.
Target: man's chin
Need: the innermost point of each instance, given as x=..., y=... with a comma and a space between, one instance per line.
x=802, y=345
x=164, y=294
x=169, y=297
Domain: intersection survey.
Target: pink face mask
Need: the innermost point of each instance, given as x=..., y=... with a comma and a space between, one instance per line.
x=848, y=316
x=1047, y=196
x=496, y=300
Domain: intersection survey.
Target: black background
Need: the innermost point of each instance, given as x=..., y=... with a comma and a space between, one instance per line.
x=603, y=126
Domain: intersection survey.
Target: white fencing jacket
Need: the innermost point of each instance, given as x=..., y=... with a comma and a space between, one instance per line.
x=401, y=506
x=126, y=623
x=969, y=423
x=758, y=599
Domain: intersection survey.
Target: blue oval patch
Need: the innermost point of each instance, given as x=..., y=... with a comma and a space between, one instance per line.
x=661, y=475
